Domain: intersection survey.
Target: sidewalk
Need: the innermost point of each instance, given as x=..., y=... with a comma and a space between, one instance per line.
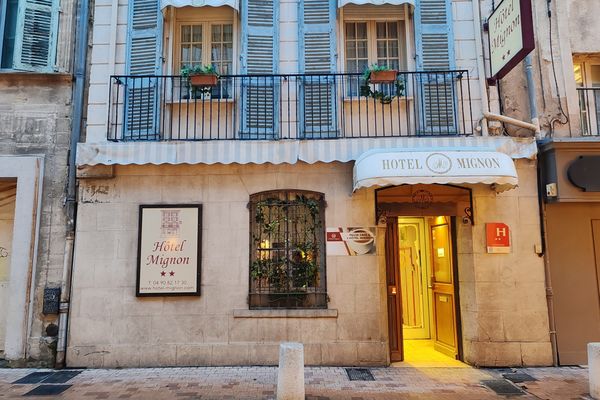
x=321, y=383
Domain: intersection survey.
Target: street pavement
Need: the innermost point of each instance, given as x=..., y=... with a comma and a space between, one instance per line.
x=439, y=383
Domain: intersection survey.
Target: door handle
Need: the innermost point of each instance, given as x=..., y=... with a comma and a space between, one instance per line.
x=392, y=289
x=431, y=282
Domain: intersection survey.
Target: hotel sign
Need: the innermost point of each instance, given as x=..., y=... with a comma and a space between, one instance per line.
x=497, y=235
x=169, y=250
x=510, y=29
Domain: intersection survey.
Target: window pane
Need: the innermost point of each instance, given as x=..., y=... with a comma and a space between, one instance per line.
x=228, y=33
x=381, y=31
x=185, y=55
x=393, y=30
x=228, y=52
x=186, y=33
x=197, y=53
x=197, y=33
x=216, y=55
x=381, y=49
x=578, y=71
x=595, y=75
x=362, y=50
x=361, y=30
x=351, y=49
x=216, y=33
x=350, y=31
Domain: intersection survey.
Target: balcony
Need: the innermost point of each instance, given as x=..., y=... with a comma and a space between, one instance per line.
x=294, y=106
x=589, y=109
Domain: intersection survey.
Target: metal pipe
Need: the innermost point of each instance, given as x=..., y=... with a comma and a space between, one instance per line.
x=533, y=112
x=80, y=61
x=480, y=65
x=513, y=121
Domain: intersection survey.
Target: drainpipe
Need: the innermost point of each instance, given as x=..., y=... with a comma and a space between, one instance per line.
x=480, y=67
x=533, y=113
x=81, y=36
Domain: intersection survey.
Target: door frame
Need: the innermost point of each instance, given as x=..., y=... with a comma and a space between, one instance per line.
x=392, y=261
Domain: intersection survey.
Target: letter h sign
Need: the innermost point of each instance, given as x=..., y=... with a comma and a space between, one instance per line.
x=497, y=238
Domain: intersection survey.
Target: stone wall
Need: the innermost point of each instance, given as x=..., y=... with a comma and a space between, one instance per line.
x=110, y=327
x=35, y=119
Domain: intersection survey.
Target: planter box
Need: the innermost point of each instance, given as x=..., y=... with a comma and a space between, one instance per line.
x=383, y=76
x=204, y=80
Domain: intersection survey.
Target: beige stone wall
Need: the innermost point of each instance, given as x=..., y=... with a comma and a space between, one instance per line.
x=110, y=327
x=502, y=296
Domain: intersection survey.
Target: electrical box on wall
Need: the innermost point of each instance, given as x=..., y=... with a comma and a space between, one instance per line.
x=551, y=190
x=51, y=300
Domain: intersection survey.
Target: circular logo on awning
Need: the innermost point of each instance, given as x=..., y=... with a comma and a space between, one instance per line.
x=438, y=163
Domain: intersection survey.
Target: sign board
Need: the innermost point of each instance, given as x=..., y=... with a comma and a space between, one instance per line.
x=497, y=235
x=510, y=29
x=386, y=168
x=169, y=250
x=350, y=241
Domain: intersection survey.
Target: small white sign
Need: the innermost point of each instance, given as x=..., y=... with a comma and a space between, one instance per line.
x=351, y=241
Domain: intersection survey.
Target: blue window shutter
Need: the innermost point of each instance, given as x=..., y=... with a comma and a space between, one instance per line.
x=144, y=59
x=435, y=52
x=260, y=56
x=317, y=55
x=36, y=35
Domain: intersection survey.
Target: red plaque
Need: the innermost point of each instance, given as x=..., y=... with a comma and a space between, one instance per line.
x=497, y=236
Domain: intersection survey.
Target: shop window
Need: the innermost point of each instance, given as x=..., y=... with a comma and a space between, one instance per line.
x=287, y=250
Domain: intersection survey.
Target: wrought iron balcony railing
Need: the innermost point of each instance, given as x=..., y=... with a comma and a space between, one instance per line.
x=297, y=106
x=589, y=110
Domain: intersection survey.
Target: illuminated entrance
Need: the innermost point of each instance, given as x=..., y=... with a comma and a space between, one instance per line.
x=423, y=303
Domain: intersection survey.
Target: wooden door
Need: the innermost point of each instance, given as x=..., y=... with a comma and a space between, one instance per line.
x=442, y=285
x=394, y=298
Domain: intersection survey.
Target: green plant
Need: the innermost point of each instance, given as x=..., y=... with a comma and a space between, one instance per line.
x=385, y=96
x=198, y=70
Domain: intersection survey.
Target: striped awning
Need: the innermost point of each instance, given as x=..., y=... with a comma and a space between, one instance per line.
x=342, y=3
x=285, y=151
x=200, y=3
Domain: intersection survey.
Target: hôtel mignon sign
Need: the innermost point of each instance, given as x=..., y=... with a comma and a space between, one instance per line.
x=169, y=250
x=510, y=29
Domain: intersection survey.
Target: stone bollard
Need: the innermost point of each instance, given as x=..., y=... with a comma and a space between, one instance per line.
x=594, y=369
x=290, y=376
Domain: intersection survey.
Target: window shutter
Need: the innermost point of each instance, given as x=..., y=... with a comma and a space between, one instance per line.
x=435, y=52
x=144, y=60
x=36, y=33
x=317, y=43
x=260, y=56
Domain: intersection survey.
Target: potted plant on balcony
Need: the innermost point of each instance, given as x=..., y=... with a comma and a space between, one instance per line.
x=381, y=74
x=200, y=75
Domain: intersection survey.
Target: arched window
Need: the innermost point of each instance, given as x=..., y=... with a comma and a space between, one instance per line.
x=287, y=250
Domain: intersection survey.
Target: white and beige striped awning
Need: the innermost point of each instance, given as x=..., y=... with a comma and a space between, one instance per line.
x=342, y=3
x=235, y=4
x=285, y=151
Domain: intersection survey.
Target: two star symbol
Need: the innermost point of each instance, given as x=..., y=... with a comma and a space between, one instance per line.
x=163, y=273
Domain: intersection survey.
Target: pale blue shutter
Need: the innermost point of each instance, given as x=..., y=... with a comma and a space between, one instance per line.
x=36, y=35
x=317, y=44
x=144, y=62
x=260, y=57
x=436, y=91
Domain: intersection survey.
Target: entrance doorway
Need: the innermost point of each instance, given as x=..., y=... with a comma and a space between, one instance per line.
x=422, y=292
x=8, y=191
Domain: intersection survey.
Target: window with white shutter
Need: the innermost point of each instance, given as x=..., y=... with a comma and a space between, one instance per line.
x=317, y=38
x=29, y=30
x=435, y=52
x=144, y=62
x=260, y=58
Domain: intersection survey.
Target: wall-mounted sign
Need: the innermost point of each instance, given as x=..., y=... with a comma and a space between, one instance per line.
x=384, y=167
x=497, y=236
x=169, y=250
x=583, y=173
x=510, y=29
x=351, y=241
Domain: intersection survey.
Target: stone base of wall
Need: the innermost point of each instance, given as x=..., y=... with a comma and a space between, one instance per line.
x=223, y=354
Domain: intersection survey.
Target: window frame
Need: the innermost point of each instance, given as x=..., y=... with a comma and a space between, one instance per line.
x=589, y=114
x=372, y=39
x=194, y=16
x=313, y=297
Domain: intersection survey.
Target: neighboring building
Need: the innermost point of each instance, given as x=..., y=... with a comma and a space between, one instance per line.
x=286, y=154
x=570, y=185
x=36, y=83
